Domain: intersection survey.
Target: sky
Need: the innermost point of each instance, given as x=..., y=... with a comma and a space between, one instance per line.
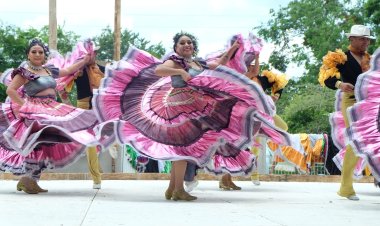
x=211, y=21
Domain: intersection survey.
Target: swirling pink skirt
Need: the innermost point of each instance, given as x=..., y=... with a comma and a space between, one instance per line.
x=364, y=131
x=338, y=135
x=211, y=122
x=43, y=134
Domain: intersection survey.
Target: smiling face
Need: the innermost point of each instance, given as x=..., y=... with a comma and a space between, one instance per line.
x=36, y=55
x=184, y=47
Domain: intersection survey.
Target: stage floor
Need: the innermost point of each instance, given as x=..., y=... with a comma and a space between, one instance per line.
x=142, y=202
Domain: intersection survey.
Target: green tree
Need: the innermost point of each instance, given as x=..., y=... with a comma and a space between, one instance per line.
x=287, y=95
x=66, y=40
x=106, y=39
x=371, y=10
x=307, y=109
x=2, y=92
x=305, y=30
x=14, y=40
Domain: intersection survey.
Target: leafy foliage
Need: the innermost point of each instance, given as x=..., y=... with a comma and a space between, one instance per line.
x=305, y=30
x=106, y=40
x=306, y=108
x=2, y=92
x=13, y=43
x=372, y=12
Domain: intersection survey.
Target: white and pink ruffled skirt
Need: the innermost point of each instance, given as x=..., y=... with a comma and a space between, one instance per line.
x=211, y=122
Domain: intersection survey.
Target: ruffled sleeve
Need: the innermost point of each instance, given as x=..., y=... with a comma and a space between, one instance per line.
x=24, y=73
x=329, y=66
x=180, y=61
x=278, y=81
x=53, y=70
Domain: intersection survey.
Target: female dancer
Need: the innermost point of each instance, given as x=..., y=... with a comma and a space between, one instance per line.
x=246, y=60
x=363, y=134
x=181, y=111
x=37, y=132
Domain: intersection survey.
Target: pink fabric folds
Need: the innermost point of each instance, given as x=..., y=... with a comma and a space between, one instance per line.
x=49, y=157
x=43, y=120
x=249, y=47
x=364, y=133
x=207, y=122
x=338, y=135
x=81, y=49
x=45, y=134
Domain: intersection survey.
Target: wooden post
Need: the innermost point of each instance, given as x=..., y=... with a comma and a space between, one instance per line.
x=116, y=49
x=117, y=30
x=53, y=24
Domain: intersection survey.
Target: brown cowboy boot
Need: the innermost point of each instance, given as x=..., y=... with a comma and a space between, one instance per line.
x=27, y=185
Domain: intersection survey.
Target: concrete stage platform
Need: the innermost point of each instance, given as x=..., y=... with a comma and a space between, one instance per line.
x=141, y=202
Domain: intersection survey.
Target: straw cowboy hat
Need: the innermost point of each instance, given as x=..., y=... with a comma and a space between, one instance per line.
x=360, y=31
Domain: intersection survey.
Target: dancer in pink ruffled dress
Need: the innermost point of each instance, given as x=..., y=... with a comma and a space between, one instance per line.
x=245, y=52
x=364, y=132
x=181, y=110
x=36, y=131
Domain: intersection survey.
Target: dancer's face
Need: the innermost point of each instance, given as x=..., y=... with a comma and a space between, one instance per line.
x=184, y=47
x=36, y=55
x=360, y=43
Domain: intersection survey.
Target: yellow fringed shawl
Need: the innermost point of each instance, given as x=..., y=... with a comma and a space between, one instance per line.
x=328, y=68
x=279, y=81
x=332, y=59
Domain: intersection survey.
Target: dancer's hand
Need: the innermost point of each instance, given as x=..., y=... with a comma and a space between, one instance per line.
x=236, y=44
x=274, y=98
x=185, y=76
x=88, y=57
x=346, y=87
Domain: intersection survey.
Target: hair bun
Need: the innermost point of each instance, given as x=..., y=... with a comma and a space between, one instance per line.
x=38, y=41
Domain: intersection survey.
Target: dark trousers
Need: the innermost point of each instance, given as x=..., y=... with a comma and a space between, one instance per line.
x=191, y=171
